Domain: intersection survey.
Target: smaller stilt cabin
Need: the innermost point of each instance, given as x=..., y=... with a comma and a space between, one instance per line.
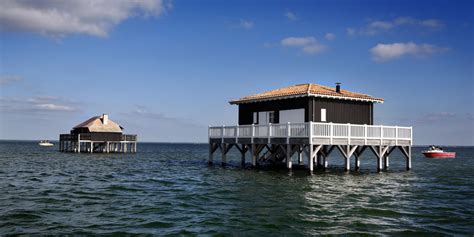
x=312, y=120
x=97, y=134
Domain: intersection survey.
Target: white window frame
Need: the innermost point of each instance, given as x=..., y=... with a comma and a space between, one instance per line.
x=323, y=115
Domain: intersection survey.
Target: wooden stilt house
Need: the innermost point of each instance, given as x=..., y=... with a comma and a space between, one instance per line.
x=97, y=134
x=309, y=119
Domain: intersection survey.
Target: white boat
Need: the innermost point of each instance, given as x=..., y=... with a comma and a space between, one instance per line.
x=45, y=143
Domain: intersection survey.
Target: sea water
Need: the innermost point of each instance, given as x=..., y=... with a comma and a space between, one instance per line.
x=170, y=189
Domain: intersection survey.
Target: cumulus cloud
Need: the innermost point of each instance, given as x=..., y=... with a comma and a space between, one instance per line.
x=60, y=18
x=291, y=16
x=246, y=24
x=330, y=36
x=7, y=79
x=386, y=52
x=351, y=31
x=298, y=41
x=308, y=45
x=37, y=104
x=376, y=26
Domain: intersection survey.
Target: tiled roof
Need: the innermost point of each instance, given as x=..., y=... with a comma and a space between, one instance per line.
x=302, y=90
x=96, y=124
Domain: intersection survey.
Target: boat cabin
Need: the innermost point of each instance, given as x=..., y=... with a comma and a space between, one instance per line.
x=307, y=103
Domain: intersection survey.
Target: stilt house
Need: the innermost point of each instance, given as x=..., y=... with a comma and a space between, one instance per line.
x=98, y=134
x=309, y=119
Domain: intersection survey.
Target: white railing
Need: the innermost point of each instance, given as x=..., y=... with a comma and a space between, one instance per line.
x=319, y=130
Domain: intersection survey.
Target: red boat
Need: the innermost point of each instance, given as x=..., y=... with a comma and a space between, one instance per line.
x=437, y=152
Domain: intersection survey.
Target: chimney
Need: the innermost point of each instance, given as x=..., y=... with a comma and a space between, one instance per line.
x=105, y=119
x=338, y=87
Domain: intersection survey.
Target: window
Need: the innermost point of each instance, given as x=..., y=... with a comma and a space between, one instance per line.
x=323, y=115
x=271, y=117
x=292, y=116
x=265, y=117
x=255, y=118
x=262, y=118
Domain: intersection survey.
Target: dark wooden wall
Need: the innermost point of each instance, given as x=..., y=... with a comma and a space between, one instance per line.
x=246, y=110
x=337, y=111
x=98, y=136
x=343, y=111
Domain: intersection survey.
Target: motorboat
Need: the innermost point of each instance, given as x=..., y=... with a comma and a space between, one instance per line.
x=437, y=152
x=45, y=143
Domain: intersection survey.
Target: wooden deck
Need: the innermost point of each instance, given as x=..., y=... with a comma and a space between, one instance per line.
x=316, y=140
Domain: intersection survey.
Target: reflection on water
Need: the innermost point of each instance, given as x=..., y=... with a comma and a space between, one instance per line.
x=169, y=189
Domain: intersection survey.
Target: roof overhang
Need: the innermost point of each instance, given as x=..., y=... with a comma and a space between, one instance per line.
x=243, y=101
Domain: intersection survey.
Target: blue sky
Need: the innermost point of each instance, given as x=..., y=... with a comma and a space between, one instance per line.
x=166, y=69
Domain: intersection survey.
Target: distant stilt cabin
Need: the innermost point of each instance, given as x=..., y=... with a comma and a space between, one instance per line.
x=312, y=120
x=97, y=134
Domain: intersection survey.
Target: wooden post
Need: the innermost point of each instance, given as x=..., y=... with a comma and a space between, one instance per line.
x=300, y=156
x=379, y=159
x=78, y=143
x=253, y=149
x=347, y=157
x=357, y=162
x=288, y=156
x=242, y=153
x=386, y=162
x=92, y=146
x=223, y=154
x=409, y=158
x=310, y=157
x=211, y=152
x=107, y=147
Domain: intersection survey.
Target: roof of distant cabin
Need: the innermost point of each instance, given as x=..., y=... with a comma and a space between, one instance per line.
x=96, y=124
x=303, y=90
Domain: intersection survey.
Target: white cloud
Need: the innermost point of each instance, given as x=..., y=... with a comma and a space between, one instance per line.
x=432, y=23
x=386, y=52
x=377, y=26
x=330, y=36
x=314, y=48
x=60, y=18
x=37, y=104
x=291, y=16
x=380, y=25
x=351, y=31
x=7, y=79
x=246, y=24
x=54, y=107
x=298, y=41
x=308, y=45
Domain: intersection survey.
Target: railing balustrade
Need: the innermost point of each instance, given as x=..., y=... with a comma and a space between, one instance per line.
x=319, y=130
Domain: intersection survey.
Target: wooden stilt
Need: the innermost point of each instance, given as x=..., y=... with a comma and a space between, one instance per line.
x=407, y=153
x=254, y=154
x=242, y=154
x=211, y=153
x=386, y=162
x=288, y=156
x=310, y=157
x=223, y=154
x=300, y=155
